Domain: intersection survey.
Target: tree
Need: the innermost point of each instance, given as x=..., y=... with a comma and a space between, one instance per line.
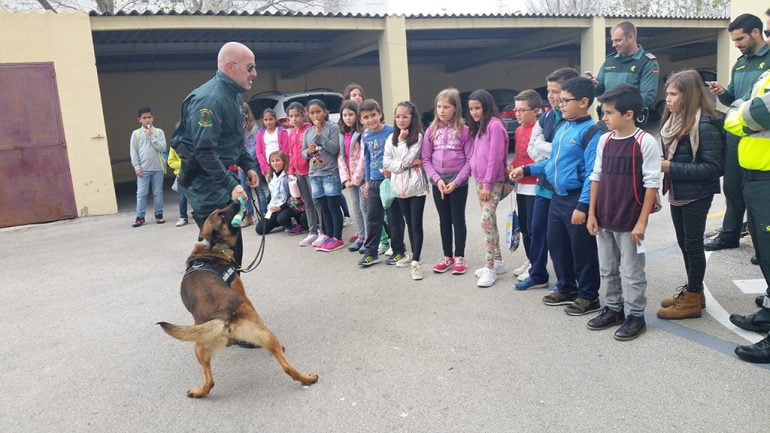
x=671, y=8
x=113, y=6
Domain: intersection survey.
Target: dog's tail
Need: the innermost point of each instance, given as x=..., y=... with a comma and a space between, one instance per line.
x=203, y=332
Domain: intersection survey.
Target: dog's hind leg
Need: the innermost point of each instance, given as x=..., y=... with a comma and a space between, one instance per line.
x=248, y=330
x=203, y=354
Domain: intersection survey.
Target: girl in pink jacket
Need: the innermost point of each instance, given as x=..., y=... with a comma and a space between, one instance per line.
x=446, y=152
x=350, y=162
x=490, y=149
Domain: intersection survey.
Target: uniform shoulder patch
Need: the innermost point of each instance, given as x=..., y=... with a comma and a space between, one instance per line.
x=205, y=118
x=650, y=56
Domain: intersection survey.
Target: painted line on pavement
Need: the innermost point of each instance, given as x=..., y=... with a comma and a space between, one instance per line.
x=752, y=287
x=699, y=337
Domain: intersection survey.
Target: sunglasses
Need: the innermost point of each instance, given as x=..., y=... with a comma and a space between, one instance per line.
x=249, y=68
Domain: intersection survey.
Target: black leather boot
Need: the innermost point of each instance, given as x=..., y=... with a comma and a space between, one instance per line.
x=757, y=322
x=759, y=352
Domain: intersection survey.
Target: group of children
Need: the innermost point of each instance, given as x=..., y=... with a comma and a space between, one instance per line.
x=582, y=194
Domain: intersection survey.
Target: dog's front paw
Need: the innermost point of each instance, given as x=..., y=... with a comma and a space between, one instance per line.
x=310, y=379
x=197, y=392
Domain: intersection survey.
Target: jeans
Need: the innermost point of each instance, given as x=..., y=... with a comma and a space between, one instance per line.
x=182, y=206
x=451, y=215
x=260, y=194
x=149, y=179
x=374, y=218
x=325, y=185
x=689, y=224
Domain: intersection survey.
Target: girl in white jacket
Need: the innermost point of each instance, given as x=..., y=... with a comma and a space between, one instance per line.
x=402, y=163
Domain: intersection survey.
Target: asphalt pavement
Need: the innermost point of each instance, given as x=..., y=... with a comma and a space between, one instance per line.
x=81, y=351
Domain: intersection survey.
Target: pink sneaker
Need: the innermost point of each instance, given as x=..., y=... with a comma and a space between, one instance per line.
x=459, y=267
x=353, y=238
x=319, y=240
x=309, y=239
x=332, y=245
x=444, y=265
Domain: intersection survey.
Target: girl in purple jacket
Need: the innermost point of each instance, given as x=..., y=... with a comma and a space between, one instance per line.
x=490, y=148
x=446, y=152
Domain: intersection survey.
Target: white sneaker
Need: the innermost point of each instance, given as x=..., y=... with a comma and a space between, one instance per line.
x=309, y=239
x=347, y=222
x=404, y=263
x=499, y=268
x=319, y=240
x=522, y=269
x=181, y=222
x=523, y=276
x=415, y=268
x=487, y=278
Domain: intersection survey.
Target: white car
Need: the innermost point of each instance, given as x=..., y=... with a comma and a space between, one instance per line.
x=280, y=102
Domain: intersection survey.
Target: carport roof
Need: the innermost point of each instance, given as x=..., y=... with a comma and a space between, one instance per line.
x=188, y=40
x=383, y=15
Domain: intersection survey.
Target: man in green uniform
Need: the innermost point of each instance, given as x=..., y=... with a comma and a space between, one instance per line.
x=209, y=139
x=750, y=120
x=630, y=64
x=746, y=33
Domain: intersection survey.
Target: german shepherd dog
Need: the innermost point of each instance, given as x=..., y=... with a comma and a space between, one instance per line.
x=223, y=313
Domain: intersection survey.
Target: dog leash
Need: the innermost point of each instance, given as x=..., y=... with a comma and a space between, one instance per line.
x=261, y=249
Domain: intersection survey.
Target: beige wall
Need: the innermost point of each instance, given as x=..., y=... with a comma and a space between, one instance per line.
x=65, y=40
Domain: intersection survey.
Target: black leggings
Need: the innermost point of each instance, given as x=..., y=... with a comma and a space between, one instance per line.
x=689, y=224
x=413, y=208
x=451, y=214
x=281, y=218
x=330, y=206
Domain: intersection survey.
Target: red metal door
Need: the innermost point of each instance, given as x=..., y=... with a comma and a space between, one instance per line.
x=35, y=180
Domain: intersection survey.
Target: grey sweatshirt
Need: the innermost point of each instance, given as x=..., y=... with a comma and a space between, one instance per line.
x=324, y=161
x=147, y=152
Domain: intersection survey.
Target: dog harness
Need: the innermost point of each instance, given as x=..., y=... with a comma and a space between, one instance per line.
x=225, y=272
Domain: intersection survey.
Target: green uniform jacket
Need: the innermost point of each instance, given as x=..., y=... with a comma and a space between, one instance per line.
x=745, y=73
x=640, y=69
x=209, y=140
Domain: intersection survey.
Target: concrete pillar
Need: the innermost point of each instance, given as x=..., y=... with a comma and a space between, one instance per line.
x=726, y=55
x=593, y=48
x=394, y=65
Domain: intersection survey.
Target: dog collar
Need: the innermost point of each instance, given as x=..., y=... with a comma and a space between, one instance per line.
x=225, y=272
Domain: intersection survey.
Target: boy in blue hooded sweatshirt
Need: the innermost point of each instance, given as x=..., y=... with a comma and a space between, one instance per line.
x=573, y=249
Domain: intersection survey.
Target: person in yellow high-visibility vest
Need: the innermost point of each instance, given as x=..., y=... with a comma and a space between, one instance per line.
x=750, y=120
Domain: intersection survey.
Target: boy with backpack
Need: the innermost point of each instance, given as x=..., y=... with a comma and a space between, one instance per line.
x=624, y=185
x=573, y=250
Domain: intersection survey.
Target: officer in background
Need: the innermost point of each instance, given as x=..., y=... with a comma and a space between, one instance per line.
x=630, y=64
x=746, y=33
x=209, y=139
x=750, y=120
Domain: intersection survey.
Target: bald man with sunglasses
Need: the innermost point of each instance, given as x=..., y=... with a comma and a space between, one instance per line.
x=209, y=138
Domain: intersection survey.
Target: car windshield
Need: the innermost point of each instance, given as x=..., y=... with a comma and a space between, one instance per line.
x=258, y=106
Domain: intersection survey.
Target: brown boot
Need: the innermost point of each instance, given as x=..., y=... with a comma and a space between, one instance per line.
x=667, y=302
x=686, y=306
